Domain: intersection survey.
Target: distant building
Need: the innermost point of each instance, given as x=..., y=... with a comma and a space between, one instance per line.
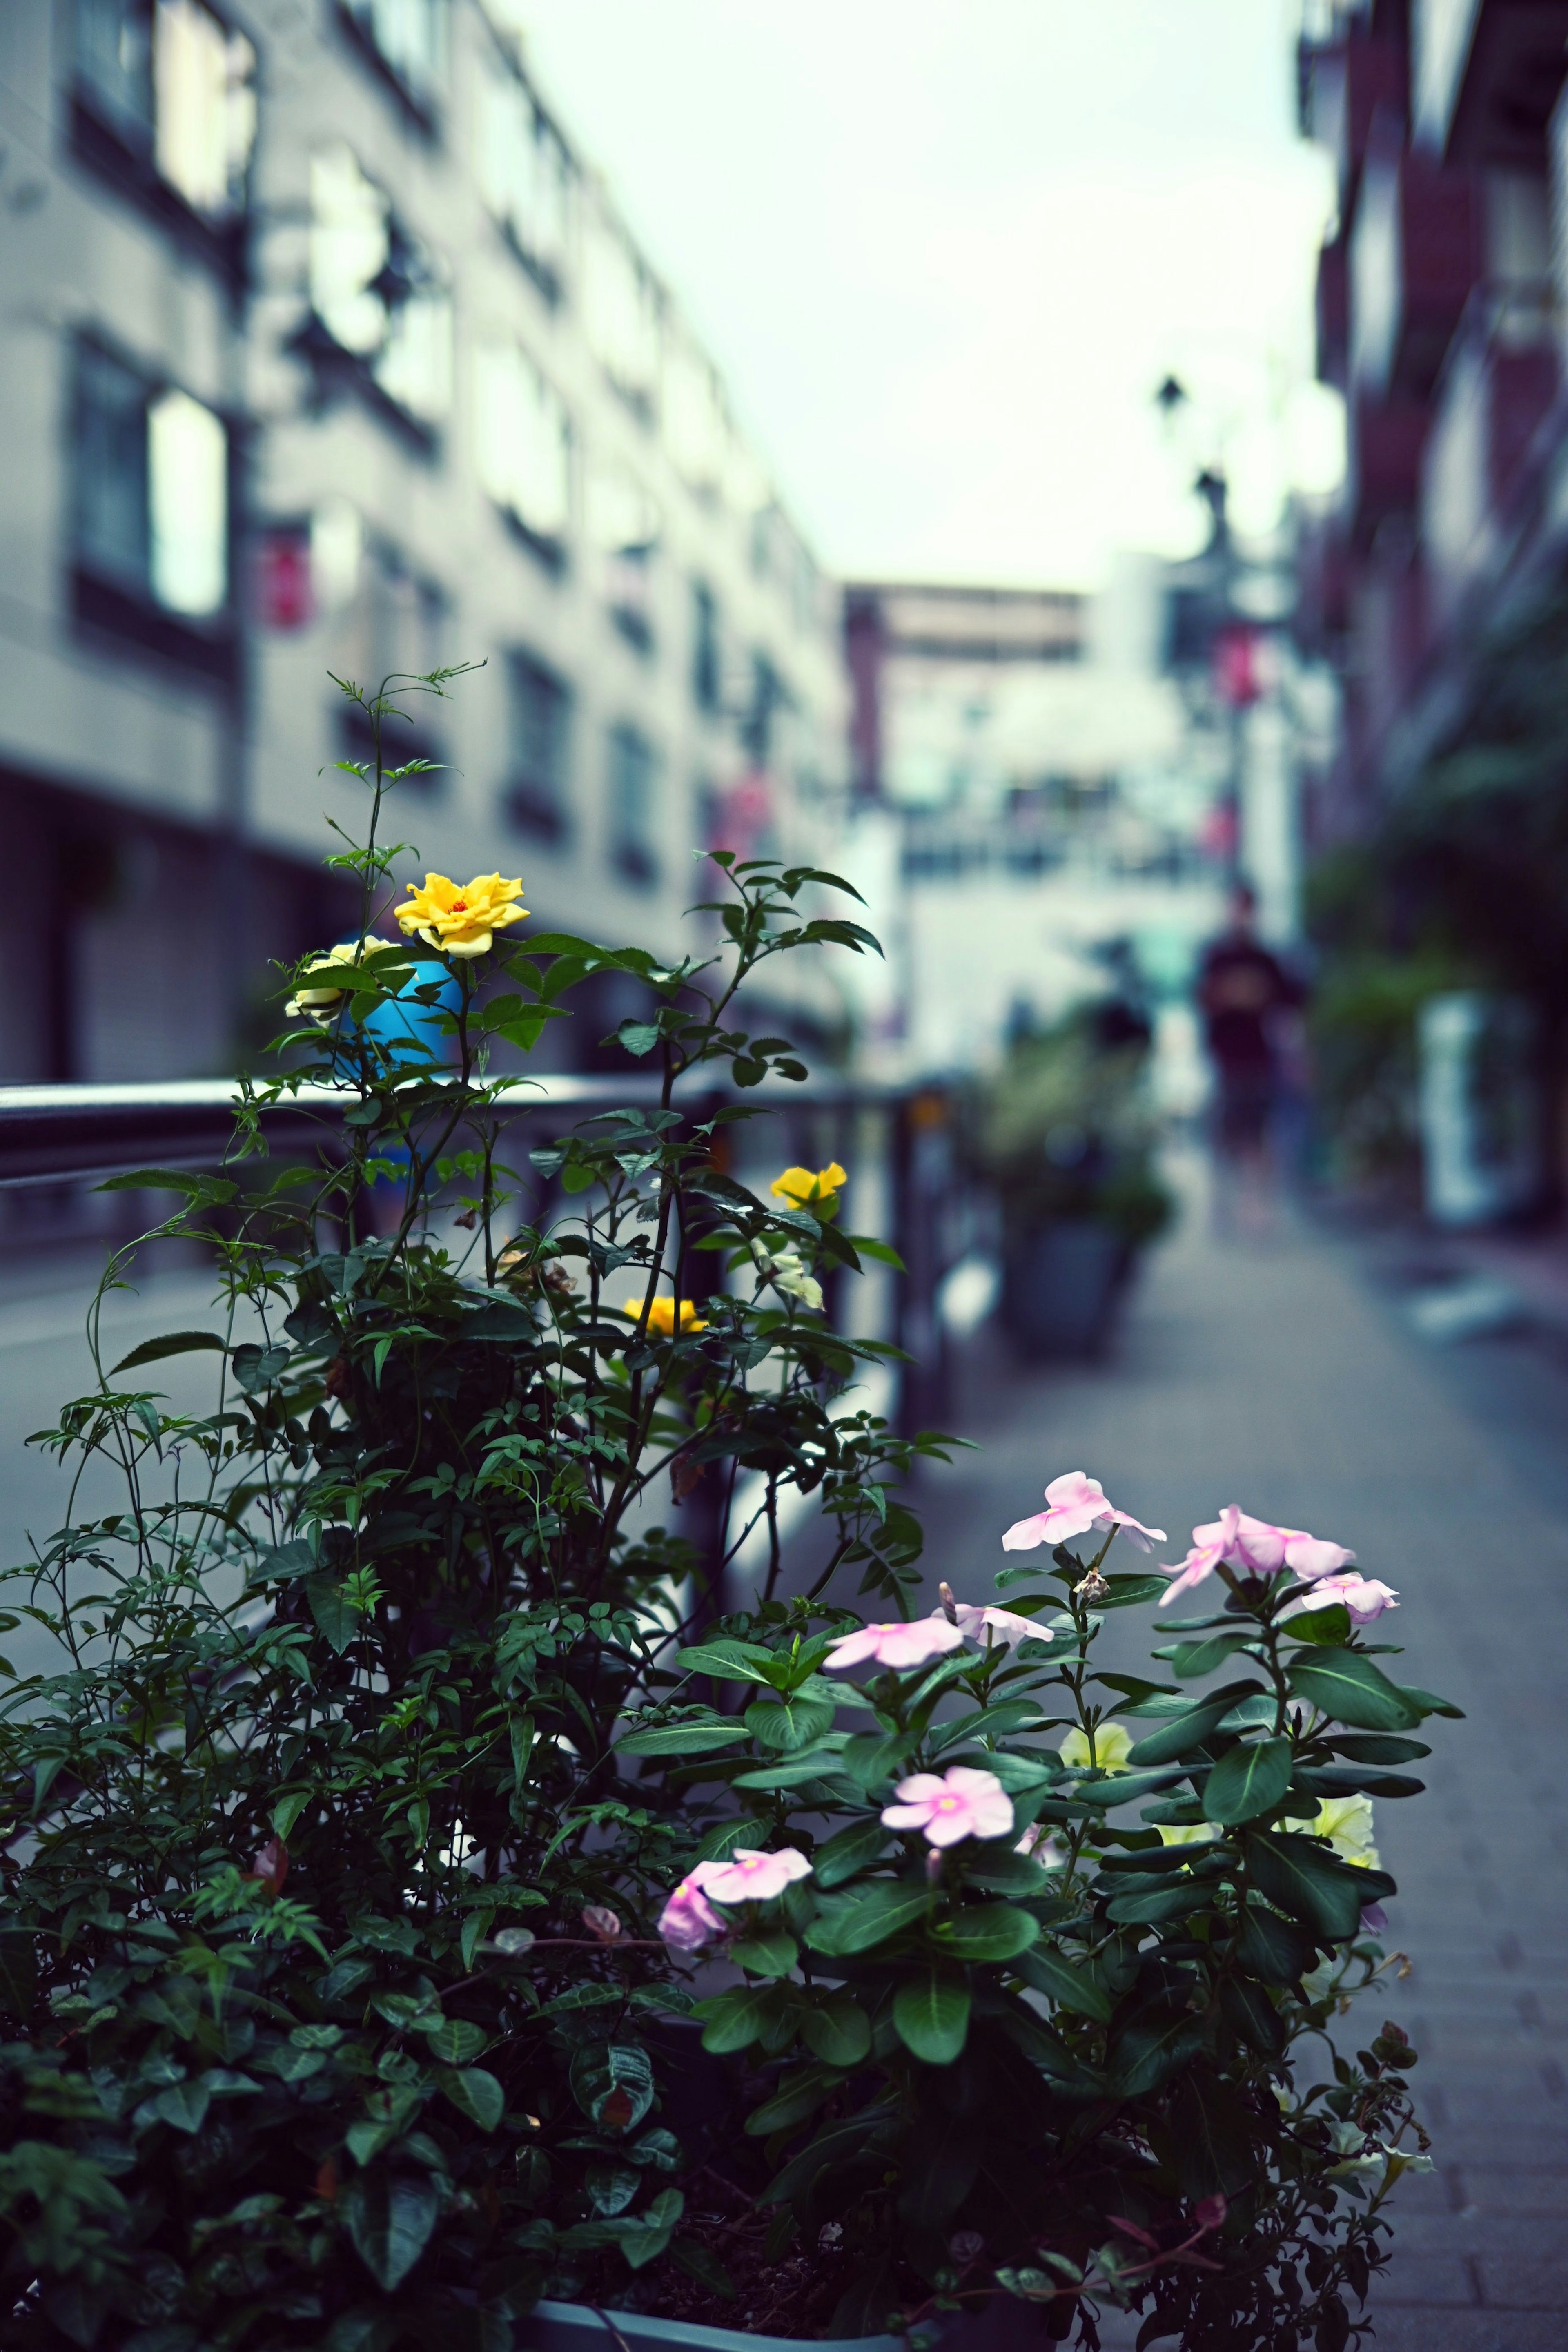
x=326, y=351
x=1440, y=296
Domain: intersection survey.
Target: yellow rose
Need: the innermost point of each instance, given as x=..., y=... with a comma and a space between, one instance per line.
x=462, y=920
x=662, y=1316
x=325, y=979
x=802, y=1188
x=1111, y=1747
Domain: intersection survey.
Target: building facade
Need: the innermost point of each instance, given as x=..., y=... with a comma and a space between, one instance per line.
x=1440, y=302
x=327, y=356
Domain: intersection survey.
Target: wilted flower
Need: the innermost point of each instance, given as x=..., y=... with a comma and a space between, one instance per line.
x=787, y=1267
x=1365, y=1597
x=1043, y=1844
x=662, y=1316
x=899, y=1645
x=462, y=918
x=1073, y=1505
x=512, y=1941
x=1112, y=1746
x=803, y=1190
x=688, y=1919
x=1254, y=1548
x=961, y=1803
x=602, y=1923
x=990, y=1626
x=271, y=1866
x=750, y=1876
x=328, y=980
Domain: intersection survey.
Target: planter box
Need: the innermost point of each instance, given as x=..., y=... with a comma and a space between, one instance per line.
x=1005, y=2326
x=1062, y=1280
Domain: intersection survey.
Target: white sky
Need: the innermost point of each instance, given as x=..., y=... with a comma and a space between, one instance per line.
x=943, y=251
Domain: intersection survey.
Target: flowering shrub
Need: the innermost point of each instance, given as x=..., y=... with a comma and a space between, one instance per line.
x=369, y=1853
x=1041, y=2000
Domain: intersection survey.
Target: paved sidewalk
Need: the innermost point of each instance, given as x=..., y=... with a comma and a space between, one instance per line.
x=1273, y=1377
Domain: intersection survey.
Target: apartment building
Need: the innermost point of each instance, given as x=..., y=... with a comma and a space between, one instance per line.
x=327, y=354
x=1440, y=302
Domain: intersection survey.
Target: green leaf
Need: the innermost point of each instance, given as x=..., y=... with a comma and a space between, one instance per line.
x=1181, y=1734
x=333, y=1611
x=931, y=2013
x=1352, y=1779
x=788, y=1724
x=985, y=1931
x=1299, y=1875
x=1366, y=1747
x=645, y=2238
x=735, y=2020
x=849, y=1853
x=792, y=1773
x=475, y=2094
x=1152, y=2048
x=797, y=2095
x=869, y=1915
x=1155, y=1903
x=1251, y=1780
x=1271, y=1948
x=18, y=1972
x=999, y=1870
x=390, y=2218
x=1132, y=1591
x=1324, y=1628
x=1426, y=1703
x=837, y=2030
x=1251, y=2015
x=1214, y=2135
x=1191, y=1659
x=182, y=2105
x=173, y=1343
x=612, y=2083
x=1044, y=1967
x=735, y=1661
x=770, y=1955
x=683, y=1740
x=1346, y=1684
x=455, y=2040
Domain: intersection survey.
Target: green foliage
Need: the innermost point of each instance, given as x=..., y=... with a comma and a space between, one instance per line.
x=315, y=2040
x=1064, y=1130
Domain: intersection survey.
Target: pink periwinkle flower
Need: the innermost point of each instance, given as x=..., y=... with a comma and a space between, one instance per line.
x=750, y=1876
x=991, y=1624
x=1073, y=1505
x=1254, y=1548
x=1365, y=1597
x=961, y=1803
x=899, y=1645
x=1043, y=1844
x=688, y=1919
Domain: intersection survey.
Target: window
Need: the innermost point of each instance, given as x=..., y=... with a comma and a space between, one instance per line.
x=382, y=296
x=634, y=783
x=409, y=37
x=695, y=429
x=541, y=729
x=151, y=515
x=623, y=528
x=175, y=88
x=707, y=687
x=622, y=307
x=526, y=176
x=524, y=438
x=766, y=698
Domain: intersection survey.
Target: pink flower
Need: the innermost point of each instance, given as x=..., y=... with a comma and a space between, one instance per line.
x=1365, y=1597
x=688, y=1919
x=1254, y=1548
x=961, y=1803
x=1043, y=1844
x=1075, y=1504
x=749, y=1876
x=898, y=1645
x=984, y=1625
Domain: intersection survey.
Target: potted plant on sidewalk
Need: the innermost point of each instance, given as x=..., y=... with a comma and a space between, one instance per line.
x=383, y=1852
x=1065, y=1137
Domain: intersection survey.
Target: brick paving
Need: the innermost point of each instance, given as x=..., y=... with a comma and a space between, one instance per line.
x=1275, y=1376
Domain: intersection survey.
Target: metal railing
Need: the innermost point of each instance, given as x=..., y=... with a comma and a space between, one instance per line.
x=898, y=1142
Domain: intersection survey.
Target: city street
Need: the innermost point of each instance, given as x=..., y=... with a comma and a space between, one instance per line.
x=1278, y=1377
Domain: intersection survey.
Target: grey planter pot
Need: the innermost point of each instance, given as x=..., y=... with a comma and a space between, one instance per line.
x=1062, y=1285
x=1005, y=2326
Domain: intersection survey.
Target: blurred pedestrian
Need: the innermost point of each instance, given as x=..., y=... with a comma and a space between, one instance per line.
x=1246, y=997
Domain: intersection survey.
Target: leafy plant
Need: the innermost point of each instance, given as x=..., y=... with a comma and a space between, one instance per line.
x=324, y=1943
x=1090, y=2062
x=1064, y=1130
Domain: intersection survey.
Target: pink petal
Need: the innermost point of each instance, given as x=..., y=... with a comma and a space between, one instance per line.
x=904, y=1817
x=1025, y=1534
